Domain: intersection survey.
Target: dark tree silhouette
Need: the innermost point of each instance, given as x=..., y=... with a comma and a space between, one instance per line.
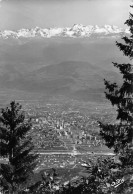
x=119, y=135
x=47, y=184
x=16, y=145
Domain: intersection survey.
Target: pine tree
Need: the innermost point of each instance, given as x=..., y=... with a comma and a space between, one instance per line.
x=16, y=145
x=119, y=135
x=47, y=185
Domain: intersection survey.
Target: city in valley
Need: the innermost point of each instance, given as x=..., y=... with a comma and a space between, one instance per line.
x=66, y=136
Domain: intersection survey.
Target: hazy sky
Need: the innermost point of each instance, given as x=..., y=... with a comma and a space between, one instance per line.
x=16, y=14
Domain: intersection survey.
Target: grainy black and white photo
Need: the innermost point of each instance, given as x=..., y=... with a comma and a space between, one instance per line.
x=66, y=97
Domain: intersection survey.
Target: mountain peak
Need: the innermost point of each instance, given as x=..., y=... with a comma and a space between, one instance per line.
x=77, y=30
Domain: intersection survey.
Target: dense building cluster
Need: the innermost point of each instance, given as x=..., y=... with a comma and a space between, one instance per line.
x=57, y=129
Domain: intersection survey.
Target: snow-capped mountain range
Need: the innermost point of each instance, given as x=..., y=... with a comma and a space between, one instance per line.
x=77, y=30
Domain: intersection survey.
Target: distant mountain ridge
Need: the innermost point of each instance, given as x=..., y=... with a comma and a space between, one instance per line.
x=77, y=30
x=57, y=68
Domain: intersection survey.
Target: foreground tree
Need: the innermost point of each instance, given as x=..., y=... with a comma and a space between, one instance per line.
x=16, y=145
x=119, y=135
x=47, y=185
